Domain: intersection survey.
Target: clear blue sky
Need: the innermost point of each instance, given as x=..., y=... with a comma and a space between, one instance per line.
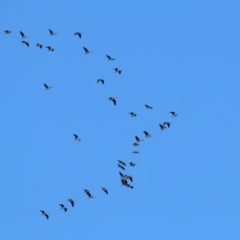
x=178, y=56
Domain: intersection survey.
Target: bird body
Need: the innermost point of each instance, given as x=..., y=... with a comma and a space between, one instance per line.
x=105, y=190
x=147, y=135
x=113, y=100
x=51, y=32
x=148, y=107
x=163, y=127
x=63, y=207
x=86, y=50
x=7, y=32
x=167, y=123
x=78, y=34
x=110, y=58
x=50, y=49
x=76, y=137
x=47, y=87
x=25, y=42
x=136, y=152
x=100, y=80
x=133, y=114
x=121, y=166
x=71, y=201
x=132, y=164
x=45, y=214
x=174, y=114
x=117, y=70
x=23, y=35
x=121, y=162
x=39, y=45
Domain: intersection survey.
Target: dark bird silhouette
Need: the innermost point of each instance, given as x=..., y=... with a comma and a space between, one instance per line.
x=124, y=181
x=174, y=114
x=39, y=45
x=25, y=42
x=136, y=152
x=88, y=193
x=76, y=137
x=121, y=162
x=117, y=70
x=147, y=135
x=129, y=186
x=132, y=164
x=86, y=50
x=162, y=127
x=120, y=166
x=135, y=144
x=46, y=86
x=51, y=32
x=23, y=35
x=129, y=177
x=63, y=207
x=167, y=123
x=78, y=34
x=100, y=80
x=122, y=175
x=148, y=107
x=50, y=49
x=133, y=114
x=105, y=190
x=45, y=214
x=71, y=201
x=138, y=139
x=110, y=58
x=7, y=32
x=113, y=100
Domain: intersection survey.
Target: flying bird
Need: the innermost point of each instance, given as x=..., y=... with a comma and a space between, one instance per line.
x=7, y=32
x=46, y=86
x=39, y=45
x=71, y=201
x=133, y=114
x=45, y=214
x=135, y=144
x=23, y=35
x=122, y=175
x=113, y=100
x=51, y=32
x=147, y=135
x=110, y=58
x=88, y=193
x=120, y=166
x=100, y=80
x=105, y=190
x=138, y=139
x=167, y=123
x=132, y=164
x=78, y=34
x=117, y=70
x=121, y=162
x=129, y=177
x=136, y=152
x=25, y=42
x=76, y=137
x=86, y=50
x=50, y=49
x=63, y=207
x=174, y=114
x=148, y=107
x=162, y=127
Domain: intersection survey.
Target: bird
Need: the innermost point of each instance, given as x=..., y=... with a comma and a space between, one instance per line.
x=105, y=190
x=122, y=175
x=174, y=114
x=39, y=45
x=167, y=123
x=121, y=162
x=129, y=177
x=113, y=100
x=51, y=32
x=162, y=127
x=132, y=164
x=63, y=207
x=136, y=152
x=120, y=166
x=50, y=49
x=76, y=137
x=88, y=193
x=129, y=186
x=138, y=139
x=25, y=42
x=86, y=50
x=100, y=80
x=23, y=35
x=78, y=34
x=133, y=114
x=7, y=32
x=117, y=70
x=135, y=144
x=46, y=86
x=71, y=201
x=147, y=135
x=124, y=181
x=110, y=58
x=45, y=214
x=148, y=107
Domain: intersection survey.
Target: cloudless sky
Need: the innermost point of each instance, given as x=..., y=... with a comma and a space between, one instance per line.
x=180, y=56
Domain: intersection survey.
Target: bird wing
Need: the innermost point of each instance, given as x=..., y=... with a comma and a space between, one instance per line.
x=108, y=57
x=137, y=138
x=75, y=135
x=45, y=85
x=114, y=101
x=85, y=49
x=50, y=31
x=121, y=174
x=145, y=132
x=22, y=34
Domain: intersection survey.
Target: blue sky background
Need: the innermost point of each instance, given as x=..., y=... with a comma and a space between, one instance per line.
x=178, y=56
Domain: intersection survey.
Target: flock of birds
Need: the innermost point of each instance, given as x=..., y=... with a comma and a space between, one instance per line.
x=125, y=178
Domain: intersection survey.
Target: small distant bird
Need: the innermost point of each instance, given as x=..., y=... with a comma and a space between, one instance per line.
x=113, y=100
x=25, y=42
x=100, y=80
x=136, y=144
x=129, y=177
x=76, y=137
x=46, y=86
x=167, y=123
x=88, y=193
x=122, y=175
x=162, y=127
x=132, y=164
x=110, y=58
x=71, y=201
x=105, y=190
x=121, y=162
x=86, y=50
x=50, y=49
x=45, y=214
x=129, y=186
x=7, y=32
x=63, y=207
x=147, y=135
x=124, y=181
x=136, y=152
x=23, y=35
x=78, y=34
x=120, y=166
x=174, y=114
x=39, y=45
x=117, y=70
x=133, y=114
x=51, y=32
x=138, y=139
x=148, y=107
